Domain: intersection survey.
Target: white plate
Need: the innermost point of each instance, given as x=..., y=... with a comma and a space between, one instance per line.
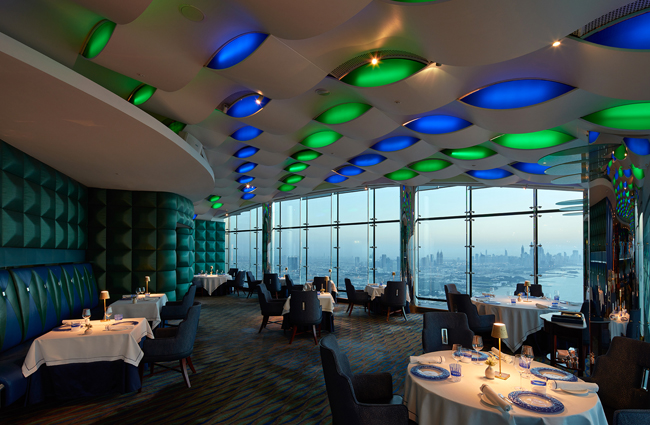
x=487, y=401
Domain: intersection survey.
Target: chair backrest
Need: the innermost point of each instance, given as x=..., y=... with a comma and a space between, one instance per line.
x=320, y=282
x=250, y=279
x=619, y=372
x=272, y=282
x=351, y=291
x=289, y=282
x=394, y=294
x=457, y=330
x=464, y=304
x=450, y=288
x=188, y=298
x=521, y=289
x=187, y=331
x=304, y=307
x=536, y=290
x=233, y=271
x=239, y=278
x=264, y=297
x=338, y=382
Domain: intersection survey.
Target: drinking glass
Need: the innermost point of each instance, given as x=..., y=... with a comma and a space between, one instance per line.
x=457, y=352
x=109, y=311
x=477, y=345
x=455, y=369
x=556, y=295
x=527, y=352
x=85, y=314
x=520, y=362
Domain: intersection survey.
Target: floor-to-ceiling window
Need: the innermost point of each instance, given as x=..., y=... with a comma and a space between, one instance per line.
x=244, y=241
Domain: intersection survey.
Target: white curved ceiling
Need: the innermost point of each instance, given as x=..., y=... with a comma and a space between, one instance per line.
x=477, y=43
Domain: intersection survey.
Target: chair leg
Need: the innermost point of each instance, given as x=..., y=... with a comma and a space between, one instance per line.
x=151, y=365
x=313, y=330
x=184, y=372
x=293, y=334
x=404, y=314
x=388, y=314
x=319, y=327
x=264, y=322
x=189, y=363
x=351, y=308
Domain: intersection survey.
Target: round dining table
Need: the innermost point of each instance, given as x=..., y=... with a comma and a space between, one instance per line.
x=210, y=281
x=444, y=402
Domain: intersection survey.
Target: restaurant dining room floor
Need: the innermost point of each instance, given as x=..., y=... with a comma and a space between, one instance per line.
x=243, y=377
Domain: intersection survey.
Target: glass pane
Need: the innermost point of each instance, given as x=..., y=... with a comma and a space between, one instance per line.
x=387, y=243
x=244, y=220
x=560, y=256
x=319, y=210
x=353, y=207
x=441, y=257
x=501, y=199
x=243, y=250
x=502, y=253
x=442, y=202
x=319, y=252
x=275, y=213
x=290, y=214
x=231, y=244
x=353, y=255
x=387, y=203
x=291, y=248
x=548, y=199
x=259, y=268
x=276, y=235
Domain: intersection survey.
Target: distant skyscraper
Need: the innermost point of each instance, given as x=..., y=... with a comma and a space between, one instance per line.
x=293, y=263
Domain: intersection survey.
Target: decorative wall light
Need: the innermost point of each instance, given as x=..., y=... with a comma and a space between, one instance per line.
x=248, y=196
x=293, y=178
x=306, y=155
x=492, y=174
x=97, y=38
x=336, y=178
x=631, y=33
x=214, y=198
x=245, y=179
x=379, y=70
x=247, y=105
x=349, y=170
x=296, y=167
x=635, y=116
x=530, y=167
x=286, y=187
x=236, y=50
x=637, y=145
x=217, y=205
x=515, y=94
x=437, y=124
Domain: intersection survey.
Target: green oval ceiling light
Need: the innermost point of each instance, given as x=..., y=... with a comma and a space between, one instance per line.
x=214, y=198
x=343, y=113
x=469, y=154
x=286, y=187
x=97, y=38
x=626, y=117
x=296, y=167
x=293, y=178
x=430, y=165
x=637, y=172
x=321, y=139
x=403, y=174
x=536, y=140
x=306, y=155
x=217, y=205
x=378, y=72
x=141, y=94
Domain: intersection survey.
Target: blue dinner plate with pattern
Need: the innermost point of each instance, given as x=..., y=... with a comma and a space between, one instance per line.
x=491, y=302
x=124, y=322
x=430, y=372
x=558, y=307
x=482, y=356
x=536, y=402
x=553, y=374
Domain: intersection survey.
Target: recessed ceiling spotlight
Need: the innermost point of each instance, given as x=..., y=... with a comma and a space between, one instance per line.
x=437, y=64
x=557, y=43
x=322, y=92
x=397, y=102
x=259, y=99
x=191, y=13
x=140, y=75
x=374, y=61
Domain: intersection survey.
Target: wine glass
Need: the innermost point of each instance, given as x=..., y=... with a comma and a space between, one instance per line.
x=477, y=345
x=109, y=312
x=527, y=352
x=85, y=314
x=457, y=352
x=520, y=365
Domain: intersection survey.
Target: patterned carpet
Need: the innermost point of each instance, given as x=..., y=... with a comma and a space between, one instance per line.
x=244, y=377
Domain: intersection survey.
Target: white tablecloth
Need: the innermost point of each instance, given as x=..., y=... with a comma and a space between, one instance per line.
x=521, y=319
x=326, y=303
x=66, y=347
x=309, y=285
x=149, y=308
x=375, y=290
x=449, y=403
x=617, y=328
x=210, y=282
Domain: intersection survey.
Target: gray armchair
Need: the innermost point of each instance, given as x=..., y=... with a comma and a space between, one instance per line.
x=177, y=310
x=268, y=306
x=632, y=417
x=394, y=296
x=450, y=288
x=458, y=331
x=355, y=296
x=173, y=344
x=477, y=323
x=305, y=310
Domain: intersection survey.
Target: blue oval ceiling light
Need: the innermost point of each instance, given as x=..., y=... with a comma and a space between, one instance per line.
x=632, y=33
x=349, y=170
x=515, y=94
x=493, y=174
x=236, y=50
x=246, y=151
x=638, y=146
x=248, y=105
x=246, y=167
x=248, y=189
x=593, y=135
x=437, y=124
x=247, y=196
x=245, y=179
x=247, y=133
x=367, y=160
x=336, y=178
x=530, y=167
x=396, y=143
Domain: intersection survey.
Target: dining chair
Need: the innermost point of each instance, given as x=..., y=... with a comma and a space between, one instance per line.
x=237, y=283
x=521, y=289
x=232, y=271
x=290, y=285
x=273, y=284
x=619, y=373
x=440, y=326
x=536, y=290
x=177, y=310
x=361, y=399
x=481, y=325
x=268, y=306
x=172, y=344
x=305, y=310
x=450, y=288
x=355, y=296
x=631, y=417
x=320, y=282
x=252, y=283
x=394, y=296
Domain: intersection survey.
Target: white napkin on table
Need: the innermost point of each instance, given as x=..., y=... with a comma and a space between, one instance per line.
x=506, y=358
x=573, y=386
x=494, y=398
x=428, y=358
x=71, y=321
x=120, y=327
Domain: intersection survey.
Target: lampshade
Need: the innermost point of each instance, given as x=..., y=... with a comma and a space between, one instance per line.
x=499, y=331
x=103, y=295
x=527, y=283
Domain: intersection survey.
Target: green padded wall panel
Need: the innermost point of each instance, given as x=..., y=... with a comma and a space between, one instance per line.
x=208, y=251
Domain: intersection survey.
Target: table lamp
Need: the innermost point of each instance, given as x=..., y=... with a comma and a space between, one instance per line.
x=104, y=296
x=527, y=285
x=499, y=331
x=146, y=283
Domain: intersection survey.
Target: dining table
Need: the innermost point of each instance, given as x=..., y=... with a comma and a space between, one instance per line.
x=327, y=306
x=210, y=282
x=147, y=307
x=377, y=289
x=433, y=399
x=522, y=318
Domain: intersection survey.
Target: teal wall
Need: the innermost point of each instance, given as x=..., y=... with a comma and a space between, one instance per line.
x=210, y=245
x=134, y=234
x=43, y=213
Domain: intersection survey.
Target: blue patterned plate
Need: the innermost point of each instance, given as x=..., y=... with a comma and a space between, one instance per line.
x=482, y=356
x=559, y=307
x=491, y=302
x=553, y=374
x=430, y=372
x=62, y=329
x=536, y=402
x=124, y=322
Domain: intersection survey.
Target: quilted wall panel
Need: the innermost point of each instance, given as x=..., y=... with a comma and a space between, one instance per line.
x=40, y=208
x=210, y=245
x=136, y=234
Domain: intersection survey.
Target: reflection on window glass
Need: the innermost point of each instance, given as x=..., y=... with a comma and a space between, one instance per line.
x=243, y=221
x=353, y=255
x=353, y=207
x=501, y=199
x=290, y=213
x=290, y=252
x=548, y=199
x=442, y=202
x=387, y=203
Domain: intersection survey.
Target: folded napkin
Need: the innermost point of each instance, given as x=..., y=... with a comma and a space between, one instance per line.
x=71, y=321
x=573, y=386
x=538, y=305
x=120, y=327
x=428, y=358
x=494, y=398
x=506, y=358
